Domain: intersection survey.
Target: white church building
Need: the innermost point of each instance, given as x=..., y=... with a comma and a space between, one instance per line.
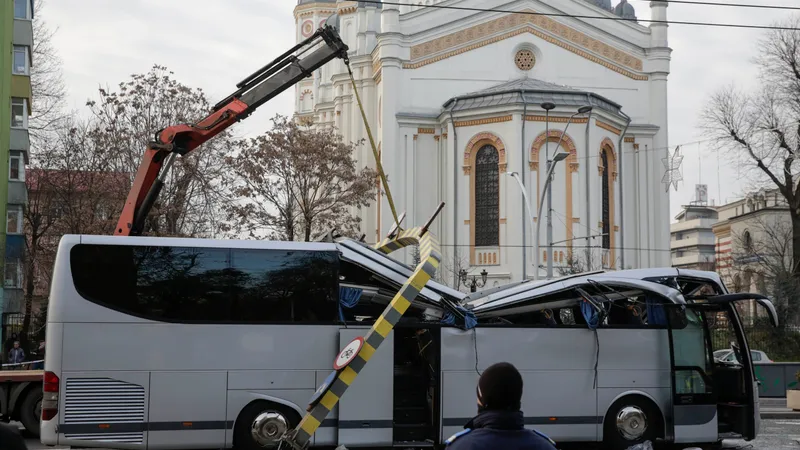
x=455, y=100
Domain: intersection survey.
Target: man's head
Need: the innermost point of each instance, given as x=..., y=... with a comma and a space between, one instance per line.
x=16, y=344
x=500, y=388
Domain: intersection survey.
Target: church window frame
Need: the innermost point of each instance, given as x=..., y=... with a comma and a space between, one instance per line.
x=607, y=171
x=484, y=255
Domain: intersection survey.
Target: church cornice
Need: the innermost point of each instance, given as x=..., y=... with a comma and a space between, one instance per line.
x=346, y=8
x=511, y=25
x=310, y=8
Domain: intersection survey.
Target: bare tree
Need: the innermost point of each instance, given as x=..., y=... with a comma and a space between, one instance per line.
x=128, y=118
x=47, y=83
x=451, y=268
x=763, y=255
x=71, y=190
x=294, y=182
x=579, y=263
x=762, y=128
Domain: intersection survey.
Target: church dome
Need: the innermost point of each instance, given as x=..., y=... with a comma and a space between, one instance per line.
x=605, y=4
x=625, y=10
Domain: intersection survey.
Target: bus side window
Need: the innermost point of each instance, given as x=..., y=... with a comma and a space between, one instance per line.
x=209, y=285
x=285, y=286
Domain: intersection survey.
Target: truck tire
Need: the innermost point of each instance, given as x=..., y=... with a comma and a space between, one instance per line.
x=31, y=411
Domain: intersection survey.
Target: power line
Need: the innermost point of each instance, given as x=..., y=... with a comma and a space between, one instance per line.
x=575, y=16
x=736, y=5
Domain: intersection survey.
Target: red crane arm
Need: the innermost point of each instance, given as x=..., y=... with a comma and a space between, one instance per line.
x=255, y=90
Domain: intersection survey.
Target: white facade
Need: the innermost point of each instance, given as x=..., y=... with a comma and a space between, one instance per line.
x=414, y=66
x=693, y=243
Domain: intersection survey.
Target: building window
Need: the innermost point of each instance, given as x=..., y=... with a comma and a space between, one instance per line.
x=606, y=201
x=19, y=116
x=16, y=168
x=14, y=219
x=13, y=274
x=487, y=197
x=748, y=242
x=21, y=10
x=20, y=64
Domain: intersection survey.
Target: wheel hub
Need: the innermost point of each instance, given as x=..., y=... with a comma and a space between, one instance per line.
x=631, y=423
x=268, y=427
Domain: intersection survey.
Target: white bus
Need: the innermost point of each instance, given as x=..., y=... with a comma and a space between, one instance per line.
x=164, y=343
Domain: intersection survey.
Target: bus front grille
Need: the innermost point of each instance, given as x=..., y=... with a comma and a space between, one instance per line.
x=104, y=409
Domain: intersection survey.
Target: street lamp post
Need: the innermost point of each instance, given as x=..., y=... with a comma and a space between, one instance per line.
x=547, y=106
x=473, y=285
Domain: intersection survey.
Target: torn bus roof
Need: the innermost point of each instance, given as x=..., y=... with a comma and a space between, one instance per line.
x=504, y=300
x=392, y=270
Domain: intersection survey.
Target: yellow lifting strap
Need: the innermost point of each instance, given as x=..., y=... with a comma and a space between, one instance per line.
x=374, y=148
x=329, y=394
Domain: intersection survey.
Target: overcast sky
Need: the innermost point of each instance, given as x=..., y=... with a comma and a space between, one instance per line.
x=214, y=44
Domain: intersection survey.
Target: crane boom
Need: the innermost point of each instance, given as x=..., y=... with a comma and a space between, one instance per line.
x=252, y=92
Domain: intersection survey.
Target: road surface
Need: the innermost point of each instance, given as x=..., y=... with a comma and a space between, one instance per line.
x=775, y=435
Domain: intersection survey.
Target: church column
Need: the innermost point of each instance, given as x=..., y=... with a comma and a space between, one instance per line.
x=658, y=115
x=392, y=149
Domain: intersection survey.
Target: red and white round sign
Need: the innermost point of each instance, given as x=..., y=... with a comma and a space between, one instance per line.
x=348, y=353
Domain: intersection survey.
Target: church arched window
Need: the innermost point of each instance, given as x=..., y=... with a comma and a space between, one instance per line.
x=606, y=200
x=487, y=197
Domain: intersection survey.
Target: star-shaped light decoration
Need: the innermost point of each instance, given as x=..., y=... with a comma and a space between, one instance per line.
x=672, y=163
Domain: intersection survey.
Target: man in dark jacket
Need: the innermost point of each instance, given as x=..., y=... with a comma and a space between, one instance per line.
x=499, y=423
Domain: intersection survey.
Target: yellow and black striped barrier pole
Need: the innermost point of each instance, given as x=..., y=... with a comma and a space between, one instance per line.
x=430, y=257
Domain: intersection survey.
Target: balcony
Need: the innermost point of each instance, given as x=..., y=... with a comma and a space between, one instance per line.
x=23, y=32
x=20, y=140
x=691, y=259
x=692, y=242
x=693, y=224
x=17, y=193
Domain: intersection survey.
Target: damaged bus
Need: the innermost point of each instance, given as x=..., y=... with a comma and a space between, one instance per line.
x=157, y=343
x=618, y=357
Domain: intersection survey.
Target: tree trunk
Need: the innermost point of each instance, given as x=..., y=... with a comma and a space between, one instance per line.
x=793, y=213
x=30, y=266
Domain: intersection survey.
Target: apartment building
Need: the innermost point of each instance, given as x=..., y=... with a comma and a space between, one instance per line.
x=692, y=242
x=16, y=33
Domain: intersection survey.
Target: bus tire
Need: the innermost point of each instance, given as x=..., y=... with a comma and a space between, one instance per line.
x=631, y=420
x=30, y=411
x=261, y=424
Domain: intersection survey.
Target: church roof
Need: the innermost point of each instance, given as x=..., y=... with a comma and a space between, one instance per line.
x=534, y=92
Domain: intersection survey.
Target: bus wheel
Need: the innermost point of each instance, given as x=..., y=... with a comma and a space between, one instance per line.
x=261, y=425
x=31, y=411
x=630, y=421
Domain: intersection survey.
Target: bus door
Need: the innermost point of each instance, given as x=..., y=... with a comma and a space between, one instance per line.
x=736, y=383
x=366, y=411
x=694, y=402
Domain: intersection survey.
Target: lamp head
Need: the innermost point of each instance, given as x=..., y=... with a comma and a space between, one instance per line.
x=484, y=275
x=584, y=109
x=560, y=156
x=547, y=106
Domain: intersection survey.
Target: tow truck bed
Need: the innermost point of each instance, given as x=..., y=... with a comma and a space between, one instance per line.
x=17, y=376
